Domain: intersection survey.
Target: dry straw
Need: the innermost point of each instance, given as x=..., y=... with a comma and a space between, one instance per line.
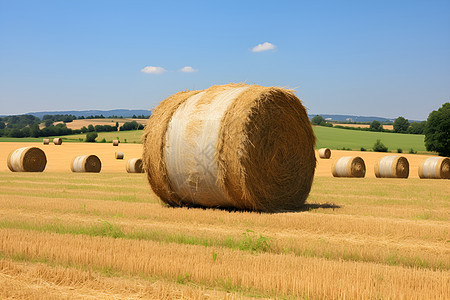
x=46, y=141
x=119, y=155
x=435, y=168
x=86, y=163
x=392, y=166
x=325, y=153
x=349, y=166
x=27, y=159
x=116, y=142
x=236, y=145
x=57, y=141
x=134, y=165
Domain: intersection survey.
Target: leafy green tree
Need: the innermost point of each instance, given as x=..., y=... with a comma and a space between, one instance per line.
x=417, y=127
x=437, y=131
x=48, y=122
x=317, y=120
x=376, y=126
x=401, y=125
x=84, y=129
x=91, y=136
x=2, y=125
x=379, y=147
x=90, y=128
x=35, y=131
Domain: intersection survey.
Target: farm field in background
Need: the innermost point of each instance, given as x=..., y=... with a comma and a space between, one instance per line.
x=333, y=138
x=79, y=123
x=388, y=127
x=107, y=235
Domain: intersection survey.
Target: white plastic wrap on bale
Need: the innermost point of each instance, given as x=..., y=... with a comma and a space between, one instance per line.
x=435, y=168
x=185, y=152
x=78, y=163
x=15, y=159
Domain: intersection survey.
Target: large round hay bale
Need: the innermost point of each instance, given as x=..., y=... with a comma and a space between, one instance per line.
x=435, y=168
x=134, y=165
x=27, y=159
x=46, y=141
x=349, y=166
x=119, y=155
x=86, y=163
x=392, y=166
x=57, y=141
x=116, y=142
x=325, y=153
x=241, y=146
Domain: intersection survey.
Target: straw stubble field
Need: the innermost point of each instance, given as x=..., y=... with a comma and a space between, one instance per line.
x=107, y=236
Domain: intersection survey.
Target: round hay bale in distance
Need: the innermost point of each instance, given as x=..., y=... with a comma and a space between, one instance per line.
x=119, y=155
x=392, y=166
x=238, y=146
x=116, y=142
x=27, y=159
x=435, y=168
x=46, y=141
x=134, y=165
x=325, y=153
x=57, y=141
x=86, y=163
x=349, y=166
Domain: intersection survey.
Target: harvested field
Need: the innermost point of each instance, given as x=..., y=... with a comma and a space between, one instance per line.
x=78, y=124
x=388, y=127
x=106, y=235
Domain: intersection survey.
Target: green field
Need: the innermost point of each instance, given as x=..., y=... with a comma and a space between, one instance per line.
x=132, y=136
x=333, y=138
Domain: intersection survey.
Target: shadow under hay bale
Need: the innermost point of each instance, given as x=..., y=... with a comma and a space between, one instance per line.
x=243, y=146
x=435, y=168
x=134, y=165
x=119, y=155
x=86, y=163
x=27, y=159
x=57, y=141
x=392, y=166
x=325, y=153
x=349, y=166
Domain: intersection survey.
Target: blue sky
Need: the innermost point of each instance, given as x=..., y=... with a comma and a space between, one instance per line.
x=372, y=58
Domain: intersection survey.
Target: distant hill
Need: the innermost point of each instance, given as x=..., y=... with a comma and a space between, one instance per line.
x=85, y=113
x=352, y=118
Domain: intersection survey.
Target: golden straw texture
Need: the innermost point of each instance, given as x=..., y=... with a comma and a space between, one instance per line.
x=262, y=155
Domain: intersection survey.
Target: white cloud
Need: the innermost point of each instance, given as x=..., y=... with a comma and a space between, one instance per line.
x=188, y=69
x=153, y=70
x=264, y=47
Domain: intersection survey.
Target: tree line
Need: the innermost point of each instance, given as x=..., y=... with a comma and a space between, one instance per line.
x=401, y=125
x=28, y=126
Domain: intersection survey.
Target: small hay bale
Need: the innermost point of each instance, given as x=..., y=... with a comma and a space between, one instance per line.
x=238, y=146
x=349, y=166
x=86, y=163
x=119, y=155
x=134, y=165
x=435, y=168
x=325, y=153
x=27, y=159
x=116, y=142
x=46, y=141
x=392, y=166
x=57, y=141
